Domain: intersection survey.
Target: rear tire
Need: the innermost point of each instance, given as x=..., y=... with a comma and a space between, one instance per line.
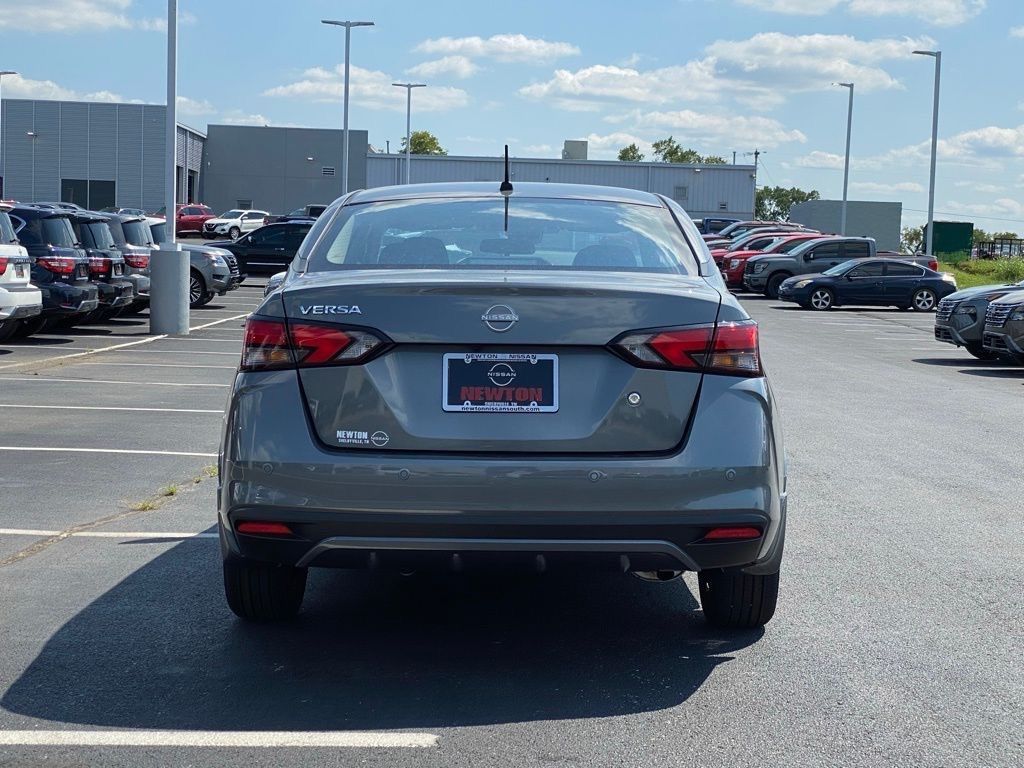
x=263, y=591
x=924, y=300
x=234, y=233
x=29, y=327
x=732, y=599
x=7, y=329
x=772, y=290
x=822, y=300
x=196, y=289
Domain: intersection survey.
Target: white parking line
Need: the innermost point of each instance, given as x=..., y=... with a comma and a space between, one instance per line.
x=172, y=352
x=108, y=381
x=110, y=534
x=51, y=449
x=221, y=739
x=161, y=365
x=109, y=408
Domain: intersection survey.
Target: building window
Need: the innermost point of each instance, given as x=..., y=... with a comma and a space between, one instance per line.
x=245, y=205
x=681, y=194
x=88, y=193
x=327, y=170
x=723, y=206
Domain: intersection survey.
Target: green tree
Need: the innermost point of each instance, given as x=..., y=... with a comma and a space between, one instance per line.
x=912, y=239
x=715, y=160
x=670, y=151
x=424, y=143
x=631, y=154
x=774, y=203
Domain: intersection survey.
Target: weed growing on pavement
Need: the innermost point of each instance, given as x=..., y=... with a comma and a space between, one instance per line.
x=148, y=505
x=170, y=490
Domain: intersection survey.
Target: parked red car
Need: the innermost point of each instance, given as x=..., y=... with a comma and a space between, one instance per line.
x=734, y=262
x=191, y=217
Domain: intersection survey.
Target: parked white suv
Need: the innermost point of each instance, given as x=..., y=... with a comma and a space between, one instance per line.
x=19, y=299
x=233, y=223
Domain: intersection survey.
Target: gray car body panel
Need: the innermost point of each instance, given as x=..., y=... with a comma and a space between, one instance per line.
x=1007, y=338
x=716, y=455
x=955, y=324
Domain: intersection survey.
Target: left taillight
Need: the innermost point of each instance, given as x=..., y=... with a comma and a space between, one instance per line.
x=728, y=348
x=272, y=343
x=136, y=260
x=100, y=265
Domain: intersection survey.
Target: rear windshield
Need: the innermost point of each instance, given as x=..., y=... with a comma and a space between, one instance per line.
x=58, y=231
x=157, y=231
x=117, y=231
x=101, y=236
x=137, y=233
x=232, y=214
x=6, y=230
x=470, y=233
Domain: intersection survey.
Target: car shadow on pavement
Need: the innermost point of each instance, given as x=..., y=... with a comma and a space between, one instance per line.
x=371, y=651
x=996, y=373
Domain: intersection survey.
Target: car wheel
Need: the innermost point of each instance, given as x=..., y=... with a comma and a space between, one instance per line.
x=263, y=591
x=7, y=329
x=924, y=300
x=981, y=353
x=30, y=327
x=196, y=289
x=822, y=299
x=234, y=233
x=772, y=291
x=735, y=600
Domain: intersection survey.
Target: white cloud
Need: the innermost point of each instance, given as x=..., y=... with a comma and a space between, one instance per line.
x=457, y=66
x=1004, y=207
x=504, y=48
x=873, y=187
x=819, y=159
x=74, y=15
x=237, y=117
x=943, y=13
x=194, y=107
x=19, y=87
x=368, y=88
x=607, y=146
x=538, y=149
x=1017, y=32
x=716, y=130
x=981, y=187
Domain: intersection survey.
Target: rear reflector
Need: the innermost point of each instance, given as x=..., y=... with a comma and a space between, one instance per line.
x=273, y=344
x=727, y=348
x=733, y=533
x=258, y=528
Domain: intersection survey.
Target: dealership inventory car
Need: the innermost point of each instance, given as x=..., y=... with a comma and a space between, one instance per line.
x=133, y=238
x=190, y=219
x=734, y=262
x=60, y=268
x=271, y=247
x=450, y=378
x=1004, y=327
x=233, y=223
x=212, y=271
x=106, y=263
x=19, y=299
x=875, y=282
x=960, y=317
x=310, y=212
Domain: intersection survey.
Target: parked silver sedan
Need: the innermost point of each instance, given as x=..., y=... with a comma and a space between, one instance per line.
x=449, y=379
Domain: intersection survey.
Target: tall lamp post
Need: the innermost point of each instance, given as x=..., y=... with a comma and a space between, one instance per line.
x=344, y=131
x=846, y=168
x=3, y=171
x=408, y=125
x=169, y=267
x=929, y=239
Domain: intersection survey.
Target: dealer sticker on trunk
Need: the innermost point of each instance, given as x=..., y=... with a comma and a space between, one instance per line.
x=488, y=382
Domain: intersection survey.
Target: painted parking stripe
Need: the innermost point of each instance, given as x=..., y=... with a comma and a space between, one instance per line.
x=110, y=534
x=221, y=739
x=108, y=381
x=172, y=352
x=110, y=408
x=52, y=449
x=160, y=365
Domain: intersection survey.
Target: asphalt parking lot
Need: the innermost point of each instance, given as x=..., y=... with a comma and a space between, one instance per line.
x=898, y=637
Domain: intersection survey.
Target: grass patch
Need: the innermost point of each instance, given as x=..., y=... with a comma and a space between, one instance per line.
x=210, y=470
x=984, y=272
x=144, y=506
x=170, y=490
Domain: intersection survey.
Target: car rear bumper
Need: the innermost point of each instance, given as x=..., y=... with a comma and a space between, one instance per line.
x=116, y=293
x=62, y=299
x=20, y=301
x=652, y=510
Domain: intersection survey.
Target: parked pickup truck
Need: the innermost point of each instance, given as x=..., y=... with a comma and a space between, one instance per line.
x=764, y=274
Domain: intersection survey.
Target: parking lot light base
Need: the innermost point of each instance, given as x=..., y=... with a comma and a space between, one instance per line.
x=168, y=300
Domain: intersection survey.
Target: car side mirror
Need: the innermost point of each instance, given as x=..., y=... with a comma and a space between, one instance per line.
x=808, y=257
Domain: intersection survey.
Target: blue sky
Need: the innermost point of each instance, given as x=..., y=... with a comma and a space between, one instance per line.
x=719, y=75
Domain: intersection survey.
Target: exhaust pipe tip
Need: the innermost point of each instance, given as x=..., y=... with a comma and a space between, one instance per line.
x=659, y=576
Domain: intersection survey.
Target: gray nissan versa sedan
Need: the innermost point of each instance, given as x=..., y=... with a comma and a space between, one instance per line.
x=450, y=378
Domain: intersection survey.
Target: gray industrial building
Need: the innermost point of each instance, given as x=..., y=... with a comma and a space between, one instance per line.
x=92, y=153
x=881, y=221
x=99, y=154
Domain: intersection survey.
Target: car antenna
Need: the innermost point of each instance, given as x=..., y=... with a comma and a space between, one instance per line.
x=506, y=188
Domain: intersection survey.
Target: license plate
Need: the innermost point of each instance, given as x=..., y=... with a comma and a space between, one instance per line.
x=19, y=270
x=83, y=271
x=484, y=382
x=118, y=269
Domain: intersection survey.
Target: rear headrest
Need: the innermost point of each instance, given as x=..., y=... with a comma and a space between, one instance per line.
x=415, y=251
x=610, y=255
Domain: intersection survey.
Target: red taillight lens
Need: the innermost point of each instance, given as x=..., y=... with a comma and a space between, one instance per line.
x=270, y=344
x=99, y=265
x=728, y=348
x=733, y=533
x=137, y=260
x=933, y=265
x=3, y=264
x=259, y=528
x=61, y=265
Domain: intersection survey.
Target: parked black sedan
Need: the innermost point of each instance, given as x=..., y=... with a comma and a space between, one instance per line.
x=877, y=282
x=271, y=247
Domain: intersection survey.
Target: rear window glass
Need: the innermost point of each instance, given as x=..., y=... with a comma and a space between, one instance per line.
x=6, y=229
x=470, y=233
x=58, y=231
x=137, y=233
x=100, y=233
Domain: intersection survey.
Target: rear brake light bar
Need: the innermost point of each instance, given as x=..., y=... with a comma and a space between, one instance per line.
x=61, y=265
x=136, y=260
x=729, y=348
x=273, y=344
x=100, y=265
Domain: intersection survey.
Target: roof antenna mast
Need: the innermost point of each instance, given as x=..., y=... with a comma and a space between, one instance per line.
x=506, y=187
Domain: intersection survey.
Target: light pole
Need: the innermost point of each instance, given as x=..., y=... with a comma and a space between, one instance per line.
x=344, y=131
x=3, y=172
x=408, y=124
x=846, y=168
x=937, y=55
x=169, y=267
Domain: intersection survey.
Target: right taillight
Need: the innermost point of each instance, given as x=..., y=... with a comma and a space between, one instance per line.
x=136, y=260
x=3, y=264
x=60, y=265
x=272, y=343
x=729, y=348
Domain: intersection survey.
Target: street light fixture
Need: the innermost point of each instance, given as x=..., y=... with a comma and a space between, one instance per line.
x=344, y=132
x=408, y=125
x=3, y=172
x=929, y=240
x=846, y=167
